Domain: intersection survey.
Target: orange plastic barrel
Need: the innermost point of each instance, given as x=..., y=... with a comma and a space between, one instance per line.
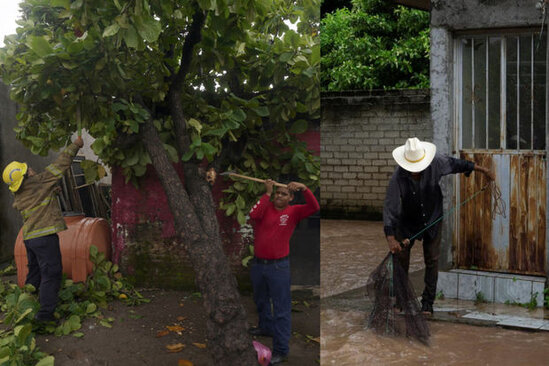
x=75, y=243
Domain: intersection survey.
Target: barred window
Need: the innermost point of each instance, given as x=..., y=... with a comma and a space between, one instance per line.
x=501, y=91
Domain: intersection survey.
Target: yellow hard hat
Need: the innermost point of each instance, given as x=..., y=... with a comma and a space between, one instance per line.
x=13, y=175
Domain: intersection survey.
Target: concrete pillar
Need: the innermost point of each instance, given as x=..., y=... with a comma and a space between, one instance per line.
x=441, y=71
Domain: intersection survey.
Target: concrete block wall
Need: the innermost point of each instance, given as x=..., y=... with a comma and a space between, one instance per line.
x=359, y=130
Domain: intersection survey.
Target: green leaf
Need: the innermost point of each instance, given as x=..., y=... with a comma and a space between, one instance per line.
x=66, y=328
x=241, y=218
x=39, y=45
x=195, y=124
x=77, y=4
x=148, y=28
x=240, y=203
x=238, y=115
x=262, y=111
x=91, y=308
x=74, y=322
x=205, y=4
x=23, y=315
x=22, y=332
x=172, y=152
x=187, y=156
x=75, y=47
x=105, y=323
x=246, y=260
x=139, y=170
x=133, y=159
x=111, y=30
x=60, y=3
x=230, y=209
x=130, y=37
x=208, y=149
x=285, y=57
x=78, y=334
x=93, y=251
x=46, y=361
x=298, y=127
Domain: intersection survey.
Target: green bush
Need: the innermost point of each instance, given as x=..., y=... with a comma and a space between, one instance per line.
x=376, y=45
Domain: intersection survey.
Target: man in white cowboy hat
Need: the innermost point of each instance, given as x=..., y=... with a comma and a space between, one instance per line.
x=414, y=200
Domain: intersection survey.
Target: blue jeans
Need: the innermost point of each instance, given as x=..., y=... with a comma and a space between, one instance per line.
x=271, y=282
x=45, y=272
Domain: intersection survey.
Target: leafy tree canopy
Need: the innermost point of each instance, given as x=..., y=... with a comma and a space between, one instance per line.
x=375, y=45
x=250, y=86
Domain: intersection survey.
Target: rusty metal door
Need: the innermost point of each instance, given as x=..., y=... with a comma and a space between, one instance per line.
x=502, y=122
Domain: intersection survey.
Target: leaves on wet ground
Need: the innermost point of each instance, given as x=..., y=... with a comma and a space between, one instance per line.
x=162, y=333
x=314, y=339
x=175, y=328
x=184, y=363
x=199, y=345
x=176, y=347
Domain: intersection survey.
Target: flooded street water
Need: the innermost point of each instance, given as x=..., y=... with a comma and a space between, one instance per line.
x=350, y=250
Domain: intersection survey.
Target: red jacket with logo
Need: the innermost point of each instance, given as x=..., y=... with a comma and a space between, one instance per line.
x=273, y=228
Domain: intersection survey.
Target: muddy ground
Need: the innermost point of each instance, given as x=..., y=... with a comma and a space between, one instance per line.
x=133, y=340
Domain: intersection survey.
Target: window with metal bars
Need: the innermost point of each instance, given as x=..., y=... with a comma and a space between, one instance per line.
x=501, y=91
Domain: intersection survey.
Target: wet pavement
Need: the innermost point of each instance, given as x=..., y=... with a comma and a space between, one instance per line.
x=350, y=250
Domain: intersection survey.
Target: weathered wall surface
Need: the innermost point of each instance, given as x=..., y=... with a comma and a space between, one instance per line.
x=443, y=126
x=448, y=17
x=144, y=238
x=11, y=149
x=483, y=14
x=359, y=132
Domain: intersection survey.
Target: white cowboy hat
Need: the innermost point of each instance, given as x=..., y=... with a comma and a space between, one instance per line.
x=415, y=155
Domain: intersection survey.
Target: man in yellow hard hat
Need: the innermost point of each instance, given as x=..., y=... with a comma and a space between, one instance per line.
x=34, y=197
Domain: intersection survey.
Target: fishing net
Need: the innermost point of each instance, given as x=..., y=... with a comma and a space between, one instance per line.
x=498, y=205
x=396, y=310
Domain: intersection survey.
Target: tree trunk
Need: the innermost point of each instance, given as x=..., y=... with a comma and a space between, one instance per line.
x=195, y=222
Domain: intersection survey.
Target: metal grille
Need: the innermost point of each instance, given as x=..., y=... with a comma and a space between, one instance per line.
x=501, y=91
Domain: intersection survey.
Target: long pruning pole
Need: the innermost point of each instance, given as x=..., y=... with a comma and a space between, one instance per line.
x=79, y=120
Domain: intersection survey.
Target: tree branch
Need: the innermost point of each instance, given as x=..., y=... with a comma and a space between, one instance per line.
x=192, y=39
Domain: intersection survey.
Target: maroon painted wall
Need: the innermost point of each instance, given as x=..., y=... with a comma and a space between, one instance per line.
x=144, y=241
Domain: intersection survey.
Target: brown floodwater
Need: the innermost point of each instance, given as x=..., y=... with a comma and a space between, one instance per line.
x=350, y=250
x=346, y=341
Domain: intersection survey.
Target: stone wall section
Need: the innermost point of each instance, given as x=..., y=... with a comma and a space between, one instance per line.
x=359, y=130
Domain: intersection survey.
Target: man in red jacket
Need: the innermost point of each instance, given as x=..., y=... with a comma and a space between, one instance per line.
x=274, y=223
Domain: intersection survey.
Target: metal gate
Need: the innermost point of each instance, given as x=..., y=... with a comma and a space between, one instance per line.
x=501, y=93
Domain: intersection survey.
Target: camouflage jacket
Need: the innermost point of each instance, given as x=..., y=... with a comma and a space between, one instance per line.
x=36, y=200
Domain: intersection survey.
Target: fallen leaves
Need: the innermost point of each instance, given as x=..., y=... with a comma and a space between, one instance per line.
x=314, y=339
x=162, y=333
x=199, y=345
x=177, y=347
x=175, y=328
x=184, y=363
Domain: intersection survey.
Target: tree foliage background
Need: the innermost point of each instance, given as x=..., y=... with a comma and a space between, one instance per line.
x=108, y=66
x=375, y=45
x=223, y=83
